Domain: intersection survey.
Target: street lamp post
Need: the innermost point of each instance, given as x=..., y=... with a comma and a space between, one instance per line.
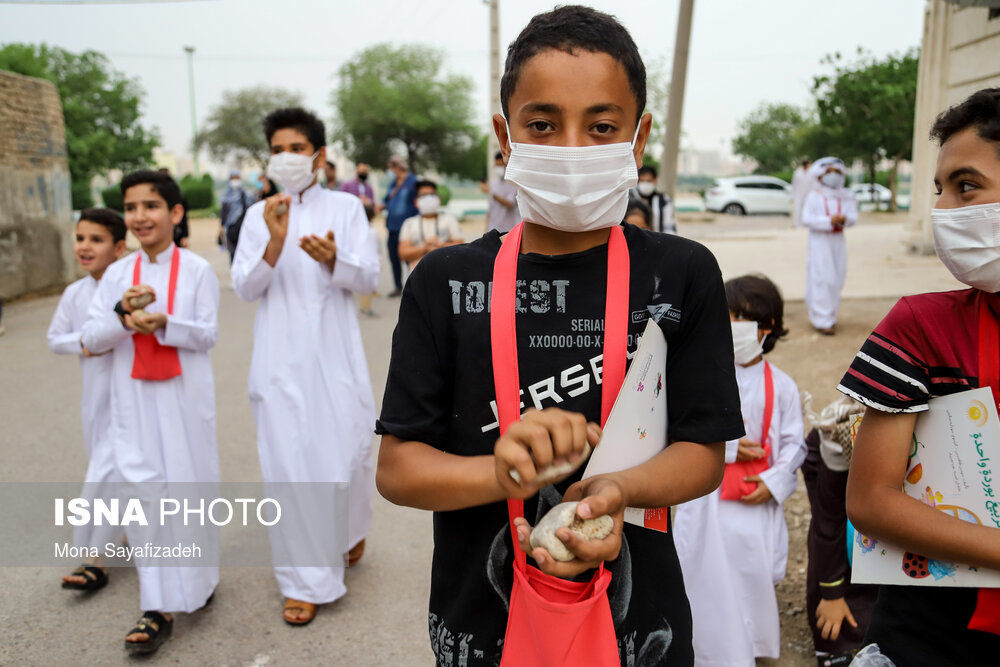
x=189, y=50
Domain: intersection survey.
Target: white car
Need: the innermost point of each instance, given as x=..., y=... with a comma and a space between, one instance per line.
x=749, y=194
x=866, y=193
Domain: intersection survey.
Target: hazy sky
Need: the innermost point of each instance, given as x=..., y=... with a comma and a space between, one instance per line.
x=742, y=52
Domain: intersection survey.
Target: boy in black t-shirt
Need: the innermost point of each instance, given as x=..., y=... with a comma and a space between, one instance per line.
x=573, y=93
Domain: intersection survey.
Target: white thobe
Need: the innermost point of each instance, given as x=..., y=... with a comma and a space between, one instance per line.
x=163, y=432
x=801, y=185
x=309, y=385
x=826, y=268
x=95, y=402
x=732, y=555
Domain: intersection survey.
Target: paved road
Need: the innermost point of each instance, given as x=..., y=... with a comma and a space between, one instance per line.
x=382, y=620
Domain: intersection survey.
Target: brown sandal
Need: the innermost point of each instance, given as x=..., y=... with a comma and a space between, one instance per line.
x=308, y=607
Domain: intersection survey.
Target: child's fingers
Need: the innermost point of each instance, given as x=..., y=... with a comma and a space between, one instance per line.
x=537, y=438
x=594, y=433
x=850, y=618
x=591, y=551
x=511, y=454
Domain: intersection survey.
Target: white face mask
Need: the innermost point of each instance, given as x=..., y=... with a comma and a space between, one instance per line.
x=967, y=240
x=428, y=204
x=572, y=188
x=646, y=188
x=832, y=179
x=746, y=347
x=292, y=171
x=235, y=184
x=499, y=171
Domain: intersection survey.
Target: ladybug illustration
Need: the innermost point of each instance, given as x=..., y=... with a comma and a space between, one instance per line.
x=915, y=566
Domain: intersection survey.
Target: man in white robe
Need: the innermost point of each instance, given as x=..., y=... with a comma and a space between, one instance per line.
x=309, y=384
x=801, y=185
x=828, y=209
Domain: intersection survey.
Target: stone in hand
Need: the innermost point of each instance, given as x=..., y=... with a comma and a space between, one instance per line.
x=281, y=209
x=555, y=471
x=564, y=515
x=141, y=301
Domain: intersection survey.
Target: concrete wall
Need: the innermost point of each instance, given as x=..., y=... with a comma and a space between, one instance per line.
x=36, y=227
x=960, y=55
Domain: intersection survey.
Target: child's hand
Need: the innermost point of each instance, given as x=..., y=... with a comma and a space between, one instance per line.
x=538, y=440
x=760, y=496
x=749, y=450
x=277, y=222
x=830, y=615
x=136, y=291
x=598, y=496
x=145, y=323
x=322, y=249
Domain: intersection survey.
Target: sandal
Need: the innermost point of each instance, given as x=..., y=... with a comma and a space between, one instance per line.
x=299, y=605
x=96, y=579
x=157, y=629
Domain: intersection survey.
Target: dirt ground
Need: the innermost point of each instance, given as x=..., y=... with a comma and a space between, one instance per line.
x=816, y=363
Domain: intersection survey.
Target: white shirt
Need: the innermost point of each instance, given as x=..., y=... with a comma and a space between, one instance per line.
x=418, y=229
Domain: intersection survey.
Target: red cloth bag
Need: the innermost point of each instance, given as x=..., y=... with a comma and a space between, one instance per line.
x=986, y=617
x=553, y=622
x=733, y=487
x=153, y=361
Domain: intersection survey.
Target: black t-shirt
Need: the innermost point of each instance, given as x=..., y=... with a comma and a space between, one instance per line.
x=440, y=391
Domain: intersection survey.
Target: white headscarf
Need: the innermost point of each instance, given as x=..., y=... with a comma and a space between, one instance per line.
x=818, y=168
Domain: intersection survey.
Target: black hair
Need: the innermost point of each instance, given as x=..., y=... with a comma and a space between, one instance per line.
x=161, y=182
x=638, y=205
x=980, y=110
x=567, y=29
x=298, y=119
x=647, y=169
x=498, y=156
x=423, y=184
x=106, y=218
x=755, y=297
x=330, y=164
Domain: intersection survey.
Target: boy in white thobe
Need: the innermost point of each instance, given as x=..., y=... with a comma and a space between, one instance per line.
x=162, y=414
x=828, y=209
x=99, y=241
x=309, y=384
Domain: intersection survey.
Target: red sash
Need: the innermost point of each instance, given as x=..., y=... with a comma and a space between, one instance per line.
x=554, y=622
x=733, y=487
x=153, y=361
x=986, y=617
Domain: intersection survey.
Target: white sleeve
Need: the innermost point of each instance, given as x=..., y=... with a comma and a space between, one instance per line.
x=732, y=447
x=789, y=451
x=454, y=229
x=406, y=230
x=357, y=267
x=200, y=333
x=850, y=208
x=814, y=215
x=250, y=273
x=63, y=337
x=103, y=330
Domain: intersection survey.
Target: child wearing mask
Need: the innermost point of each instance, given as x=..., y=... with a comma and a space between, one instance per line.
x=430, y=230
x=932, y=345
x=100, y=240
x=572, y=134
x=733, y=543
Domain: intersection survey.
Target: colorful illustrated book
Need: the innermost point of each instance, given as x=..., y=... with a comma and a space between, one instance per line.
x=952, y=466
x=636, y=429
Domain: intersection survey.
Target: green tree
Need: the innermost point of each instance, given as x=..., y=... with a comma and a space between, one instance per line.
x=101, y=108
x=771, y=136
x=233, y=130
x=398, y=100
x=865, y=111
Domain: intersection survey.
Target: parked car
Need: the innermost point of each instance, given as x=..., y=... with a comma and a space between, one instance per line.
x=867, y=193
x=741, y=195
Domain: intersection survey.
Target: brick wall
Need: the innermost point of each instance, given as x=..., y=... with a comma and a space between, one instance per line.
x=36, y=227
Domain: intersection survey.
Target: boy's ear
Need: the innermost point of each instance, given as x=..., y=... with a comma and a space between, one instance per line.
x=120, y=248
x=176, y=214
x=320, y=160
x=500, y=129
x=645, y=127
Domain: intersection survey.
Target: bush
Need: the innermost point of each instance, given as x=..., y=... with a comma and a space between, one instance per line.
x=81, y=195
x=444, y=194
x=198, y=192
x=785, y=175
x=112, y=197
